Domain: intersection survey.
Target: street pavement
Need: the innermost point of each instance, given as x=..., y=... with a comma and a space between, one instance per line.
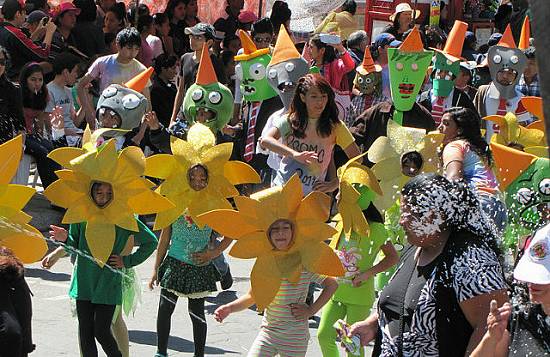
x=55, y=327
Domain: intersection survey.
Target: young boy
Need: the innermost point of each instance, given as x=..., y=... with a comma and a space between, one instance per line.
x=61, y=101
x=114, y=69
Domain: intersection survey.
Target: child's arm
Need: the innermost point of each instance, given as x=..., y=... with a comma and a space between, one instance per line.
x=390, y=259
x=147, y=243
x=49, y=260
x=210, y=254
x=271, y=143
x=242, y=303
x=304, y=311
x=162, y=248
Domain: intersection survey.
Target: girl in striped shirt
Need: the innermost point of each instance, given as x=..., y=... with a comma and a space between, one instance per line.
x=284, y=330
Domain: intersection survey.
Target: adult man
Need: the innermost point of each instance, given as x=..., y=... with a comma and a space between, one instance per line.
x=21, y=48
x=358, y=41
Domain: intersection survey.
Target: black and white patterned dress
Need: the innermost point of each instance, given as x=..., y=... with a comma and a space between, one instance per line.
x=463, y=271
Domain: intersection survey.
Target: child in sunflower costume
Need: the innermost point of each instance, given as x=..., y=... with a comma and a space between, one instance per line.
x=285, y=233
x=360, y=236
x=198, y=178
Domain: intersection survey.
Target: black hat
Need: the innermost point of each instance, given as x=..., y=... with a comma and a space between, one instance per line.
x=203, y=29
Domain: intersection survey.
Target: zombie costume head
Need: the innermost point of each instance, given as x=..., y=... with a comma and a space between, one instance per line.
x=251, y=70
x=208, y=101
x=286, y=67
x=368, y=79
x=407, y=67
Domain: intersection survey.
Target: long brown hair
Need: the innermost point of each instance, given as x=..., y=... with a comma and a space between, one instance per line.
x=298, y=116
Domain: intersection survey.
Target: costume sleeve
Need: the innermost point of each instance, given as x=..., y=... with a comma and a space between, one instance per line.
x=378, y=235
x=74, y=236
x=343, y=135
x=147, y=242
x=476, y=271
x=453, y=151
x=160, y=138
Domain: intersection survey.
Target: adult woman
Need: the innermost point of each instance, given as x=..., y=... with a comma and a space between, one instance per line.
x=309, y=134
x=162, y=31
x=466, y=156
x=191, y=11
x=115, y=19
x=146, y=29
x=35, y=99
x=175, y=10
x=437, y=301
x=529, y=326
x=402, y=20
x=11, y=110
x=334, y=62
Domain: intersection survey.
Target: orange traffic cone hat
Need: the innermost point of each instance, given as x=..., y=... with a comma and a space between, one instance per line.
x=525, y=34
x=249, y=48
x=533, y=106
x=507, y=39
x=413, y=42
x=139, y=82
x=368, y=65
x=206, y=74
x=284, y=48
x=510, y=163
x=453, y=46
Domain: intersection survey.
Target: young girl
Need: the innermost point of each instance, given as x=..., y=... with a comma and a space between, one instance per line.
x=187, y=271
x=284, y=328
x=98, y=290
x=466, y=156
x=309, y=133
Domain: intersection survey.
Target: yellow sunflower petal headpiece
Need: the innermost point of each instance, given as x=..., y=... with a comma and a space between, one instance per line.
x=388, y=152
x=250, y=226
x=200, y=149
x=512, y=132
x=132, y=194
x=26, y=242
x=350, y=174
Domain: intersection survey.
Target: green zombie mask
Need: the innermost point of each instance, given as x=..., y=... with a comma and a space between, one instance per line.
x=208, y=101
x=444, y=75
x=526, y=181
x=407, y=67
x=251, y=71
x=369, y=84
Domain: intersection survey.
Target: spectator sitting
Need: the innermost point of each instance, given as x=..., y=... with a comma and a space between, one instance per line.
x=34, y=25
x=435, y=38
x=229, y=23
x=37, y=144
x=115, y=19
x=163, y=90
x=64, y=16
x=21, y=48
x=89, y=37
x=60, y=101
x=11, y=110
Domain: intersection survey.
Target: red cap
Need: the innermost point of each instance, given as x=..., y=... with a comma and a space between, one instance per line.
x=58, y=10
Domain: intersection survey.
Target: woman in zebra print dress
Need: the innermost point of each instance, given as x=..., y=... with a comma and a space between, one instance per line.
x=437, y=301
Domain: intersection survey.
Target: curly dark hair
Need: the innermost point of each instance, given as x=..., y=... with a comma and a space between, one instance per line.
x=468, y=123
x=298, y=115
x=11, y=268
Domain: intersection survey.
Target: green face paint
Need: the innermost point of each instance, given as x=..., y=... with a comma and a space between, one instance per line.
x=213, y=100
x=252, y=75
x=407, y=71
x=445, y=73
x=528, y=197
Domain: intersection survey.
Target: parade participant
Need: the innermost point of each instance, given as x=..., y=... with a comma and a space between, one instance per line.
x=360, y=236
x=407, y=68
x=368, y=85
x=333, y=62
x=506, y=64
x=309, y=134
x=525, y=180
x=284, y=70
x=513, y=134
x=437, y=301
x=102, y=191
x=466, y=155
x=527, y=332
x=261, y=100
x=446, y=68
x=285, y=233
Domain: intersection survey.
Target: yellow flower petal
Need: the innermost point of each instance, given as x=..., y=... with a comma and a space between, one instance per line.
x=26, y=242
x=148, y=202
x=16, y=195
x=388, y=169
x=321, y=259
x=201, y=137
x=160, y=166
x=381, y=149
x=238, y=172
x=130, y=163
x=311, y=230
x=10, y=152
x=216, y=157
x=228, y=222
x=290, y=198
x=265, y=281
x=63, y=156
x=315, y=205
x=252, y=245
x=61, y=194
x=101, y=239
x=247, y=207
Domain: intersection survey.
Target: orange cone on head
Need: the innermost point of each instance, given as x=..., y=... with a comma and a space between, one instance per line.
x=525, y=34
x=507, y=39
x=139, y=82
x=284, y=48
x=413, y=42
x=368, y=65
x=206, y=74
x=250, y=50
x=455, y=41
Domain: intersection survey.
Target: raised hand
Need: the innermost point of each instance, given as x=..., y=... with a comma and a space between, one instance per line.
x=59, y=234
x=305, y=157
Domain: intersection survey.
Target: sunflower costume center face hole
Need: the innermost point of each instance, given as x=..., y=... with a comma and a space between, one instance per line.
x=281, y=234
x=101, y=193
x=411, y=163
x=197, y=176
